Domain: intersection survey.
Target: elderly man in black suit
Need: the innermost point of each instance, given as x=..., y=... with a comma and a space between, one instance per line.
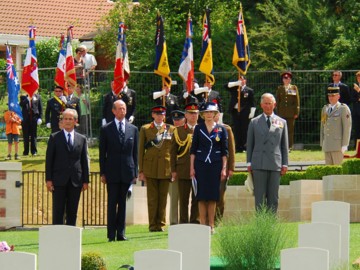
x=67, y=169
x=118, y=155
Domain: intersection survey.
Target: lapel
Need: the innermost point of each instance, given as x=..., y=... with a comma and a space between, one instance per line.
x=114, y=129
x=127, y=131
x=263, y=126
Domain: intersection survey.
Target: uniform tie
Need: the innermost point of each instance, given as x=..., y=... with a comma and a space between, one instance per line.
x=268, y=121
x=121, y=132
x=330, y=110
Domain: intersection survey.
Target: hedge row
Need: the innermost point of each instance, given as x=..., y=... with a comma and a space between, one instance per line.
x=349, y=166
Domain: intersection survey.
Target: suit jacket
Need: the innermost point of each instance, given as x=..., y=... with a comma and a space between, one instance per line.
x=246, y=99
x=154, y=159
x=64, y=164
x=35, y=109
x=118, y=161
x=335, y=129
x=345, y=96
x=287, y=101
x=267, y=149
x=53, y=112
x=74, y=103
x=130, y=103
x=355, y=96
x=129, y=97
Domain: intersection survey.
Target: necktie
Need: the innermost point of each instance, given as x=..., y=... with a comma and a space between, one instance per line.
x=69, y=141
x=121, y=132
x=268, y=121
x=330, y=110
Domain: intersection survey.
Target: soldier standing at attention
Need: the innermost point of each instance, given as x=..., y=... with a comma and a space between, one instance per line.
x=54, y=108
x=335, y=128
x=154, y=165
x=288, y=104
x=180, y=164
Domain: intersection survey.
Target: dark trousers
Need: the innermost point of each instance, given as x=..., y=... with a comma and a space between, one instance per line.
x=29, y=129
x=356, y=125
x=185, y=190
x=66, y=199
x=116, y=210
x=240, y=123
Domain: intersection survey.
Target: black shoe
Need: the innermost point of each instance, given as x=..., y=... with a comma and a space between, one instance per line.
x=17, y=157
x=111, y=240
x=8, y=157
x=122, y=238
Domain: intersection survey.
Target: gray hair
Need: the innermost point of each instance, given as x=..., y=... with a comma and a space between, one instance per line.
x=118, y=101
x=71, y=111
x=268, y=95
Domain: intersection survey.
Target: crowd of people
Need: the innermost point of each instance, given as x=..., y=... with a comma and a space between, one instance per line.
x=177, y=153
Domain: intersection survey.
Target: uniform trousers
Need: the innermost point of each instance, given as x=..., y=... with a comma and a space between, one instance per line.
x=157, y=190
x=266, y=189
x=185, y=191
x=291, y=127
x=174, y=202
x=220, y=205
x=333, y=158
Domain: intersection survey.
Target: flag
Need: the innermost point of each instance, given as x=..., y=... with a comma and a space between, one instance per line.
x=60, y=69
x=12, y=84
x=30, y=76
x=241, y=55
x=70, y=75
x=161, y=62
x=186, y=69
x=122, y=67
x=206, y=61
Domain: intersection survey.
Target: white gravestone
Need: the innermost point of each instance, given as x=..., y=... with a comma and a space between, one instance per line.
x=157, y=259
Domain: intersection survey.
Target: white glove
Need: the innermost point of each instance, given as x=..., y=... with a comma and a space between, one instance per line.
x=39, y=121
x=344, y=149
x=158, y=94
x=221, y=118
x=131, y=119
x=48, y=125
x=232, y=84
x=186, y=94
x=201, y=90
x=103, y=122
x=252, y=112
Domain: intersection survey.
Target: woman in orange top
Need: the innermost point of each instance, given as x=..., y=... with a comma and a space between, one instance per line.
x=13, y=122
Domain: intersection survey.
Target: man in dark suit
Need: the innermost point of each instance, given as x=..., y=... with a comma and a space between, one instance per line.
x=118, y=156
x=67, y=169
x=32, y=113
x=343, y=88
x=241, y=111
x=127, y=95
x=54, y=107
x=267, y=153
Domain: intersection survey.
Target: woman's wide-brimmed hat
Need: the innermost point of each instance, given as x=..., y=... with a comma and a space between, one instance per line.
x=209, y=107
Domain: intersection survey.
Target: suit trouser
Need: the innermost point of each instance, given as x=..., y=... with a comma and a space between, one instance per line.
x=116, y=210
x=174, y=202
x=240, y=123
x=266, y=189
x=29, y=128
x=291, y=127
x=334, y=158
x=185, y=190
x=66, y=199
x=157, y=190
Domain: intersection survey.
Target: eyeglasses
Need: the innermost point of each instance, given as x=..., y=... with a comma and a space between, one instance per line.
x=335, y=75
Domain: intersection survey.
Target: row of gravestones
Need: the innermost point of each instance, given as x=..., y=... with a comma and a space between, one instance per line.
x=323, y=244
x=60, y=248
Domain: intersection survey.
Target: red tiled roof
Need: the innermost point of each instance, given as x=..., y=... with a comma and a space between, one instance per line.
x=51, y=17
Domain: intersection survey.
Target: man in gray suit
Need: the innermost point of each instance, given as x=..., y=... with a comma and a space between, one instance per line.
x=267, y=153
x=335, y=128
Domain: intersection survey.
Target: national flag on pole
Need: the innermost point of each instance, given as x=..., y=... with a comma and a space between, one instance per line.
x=161, y=62
x=70, y=75
x=30, y=76
x=12, y=84
x=241, y=56
x=60, y=69
x=122, y=67
x=206, y=62
x=186, y=69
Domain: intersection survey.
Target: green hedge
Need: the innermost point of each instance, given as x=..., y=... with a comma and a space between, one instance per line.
x=316, y=172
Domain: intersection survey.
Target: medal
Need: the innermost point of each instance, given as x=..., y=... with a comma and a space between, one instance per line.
x=217, y=138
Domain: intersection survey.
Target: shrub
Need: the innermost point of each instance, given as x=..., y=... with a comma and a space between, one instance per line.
x=238, y=179
x=351, y=166
x=253, y=243
x=318, y=171
x=291, y=176
x=92, y=261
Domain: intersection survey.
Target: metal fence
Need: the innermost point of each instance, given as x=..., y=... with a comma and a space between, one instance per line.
x=37, y=201
x=311, y=85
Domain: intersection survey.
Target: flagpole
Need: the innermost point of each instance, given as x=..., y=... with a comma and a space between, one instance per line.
x=163, y=86
x=239, y=92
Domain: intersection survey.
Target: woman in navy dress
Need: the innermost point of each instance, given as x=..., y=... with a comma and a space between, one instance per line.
x=208, y=158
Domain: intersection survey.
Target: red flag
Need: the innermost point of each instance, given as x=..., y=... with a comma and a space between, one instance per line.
x=60, y=69
x=70, y=75
x=122, y=67
x=30, y=76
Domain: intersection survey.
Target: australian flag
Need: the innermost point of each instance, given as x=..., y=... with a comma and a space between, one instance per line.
x=12, y=84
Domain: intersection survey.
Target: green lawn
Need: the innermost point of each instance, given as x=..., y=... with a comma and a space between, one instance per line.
x=119, y=253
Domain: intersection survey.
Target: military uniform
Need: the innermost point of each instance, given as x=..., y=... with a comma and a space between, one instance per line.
x=73, y=102
x=345, y=96
x=288, y=105
x=127, y=95
x=154, y=163
x=180, y=163
x=54, y=109
x=335, y=131
x=220, y=205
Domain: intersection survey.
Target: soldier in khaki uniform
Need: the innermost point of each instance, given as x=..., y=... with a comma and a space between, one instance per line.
x=220, y=205
x=154, y=165
x=288, y=104
x=180, y=164
x=335, y=128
